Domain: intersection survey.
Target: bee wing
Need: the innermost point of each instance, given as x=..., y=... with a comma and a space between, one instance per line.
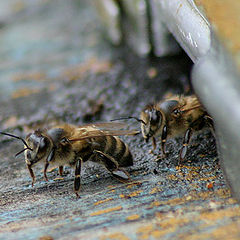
x=105, y=125
x=92, y=133
x=191, y=103
x=190, y=108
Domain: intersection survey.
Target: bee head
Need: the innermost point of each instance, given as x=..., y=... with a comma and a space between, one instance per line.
x=151, y=121
x=38, y=147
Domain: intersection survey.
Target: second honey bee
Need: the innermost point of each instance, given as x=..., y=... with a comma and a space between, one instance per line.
x=71, y=145
x=173, y=117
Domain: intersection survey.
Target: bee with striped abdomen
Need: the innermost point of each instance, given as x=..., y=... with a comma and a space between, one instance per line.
x=71, y=145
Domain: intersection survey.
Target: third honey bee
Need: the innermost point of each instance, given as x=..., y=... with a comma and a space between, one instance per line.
x=73, y=145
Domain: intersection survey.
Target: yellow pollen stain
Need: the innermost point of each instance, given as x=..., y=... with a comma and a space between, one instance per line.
x=134, y=184
x=133, y=217
x=232, y=201
x=103, y=201
x=58, y=178
x=133, y=194
x=157, y=234
x=173, y=201
x=106, y=211
x=24, y=92
x=46, y=238
x=219, y=214
x=155, y=190
x=173, y=222
x=145, y=232
x=188, y=198
x=155, y=204
x=144, y=229
x=115, y=236
x=136, y=193
x=187, y=167
x=172, y=177
x=208, y=178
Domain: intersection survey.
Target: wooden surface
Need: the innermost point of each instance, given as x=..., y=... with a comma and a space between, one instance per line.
x=58, y=68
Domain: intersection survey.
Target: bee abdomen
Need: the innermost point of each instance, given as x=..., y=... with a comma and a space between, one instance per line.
x=117, y=149
x=123, y=154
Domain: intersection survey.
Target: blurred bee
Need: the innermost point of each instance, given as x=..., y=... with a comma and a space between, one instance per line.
x=71, y=145
x=173, y=117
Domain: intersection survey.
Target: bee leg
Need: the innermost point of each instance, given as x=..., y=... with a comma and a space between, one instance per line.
x=186, y=141
x=49, y=159
x=163, y=141
x=121, y=175
x=154, y=145
x=60, y=170
x=45, y=171
x=112, y=166
x=77, y=179
x=31, y=174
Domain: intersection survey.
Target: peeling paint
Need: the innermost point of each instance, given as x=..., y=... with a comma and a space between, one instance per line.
x=133, y=217
x=115, y=236
x=103, y=201
x=163, y=199
x=108, y=210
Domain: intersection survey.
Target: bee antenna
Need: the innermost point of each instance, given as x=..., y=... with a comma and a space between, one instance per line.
x=123, y=118
x=17, y=137
x=22, y=151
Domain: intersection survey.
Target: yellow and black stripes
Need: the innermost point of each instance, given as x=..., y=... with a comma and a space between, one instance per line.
x=116, y=148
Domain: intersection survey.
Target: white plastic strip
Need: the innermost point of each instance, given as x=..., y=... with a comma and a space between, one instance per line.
x=187, y=24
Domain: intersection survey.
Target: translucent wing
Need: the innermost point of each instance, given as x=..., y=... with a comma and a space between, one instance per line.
x=101, y=129
x=106, y=125
x=190, y=103
x=191, y=108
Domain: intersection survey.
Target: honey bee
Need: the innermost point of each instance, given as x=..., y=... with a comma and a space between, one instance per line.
x=72, y=145
x=173, y=117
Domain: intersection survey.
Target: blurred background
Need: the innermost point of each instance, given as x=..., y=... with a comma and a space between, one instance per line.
x=81, y=61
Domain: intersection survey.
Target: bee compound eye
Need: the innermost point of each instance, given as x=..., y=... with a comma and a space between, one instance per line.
x=64, y=140
x=177, y=112
x=155, y=117
x=43, y=144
